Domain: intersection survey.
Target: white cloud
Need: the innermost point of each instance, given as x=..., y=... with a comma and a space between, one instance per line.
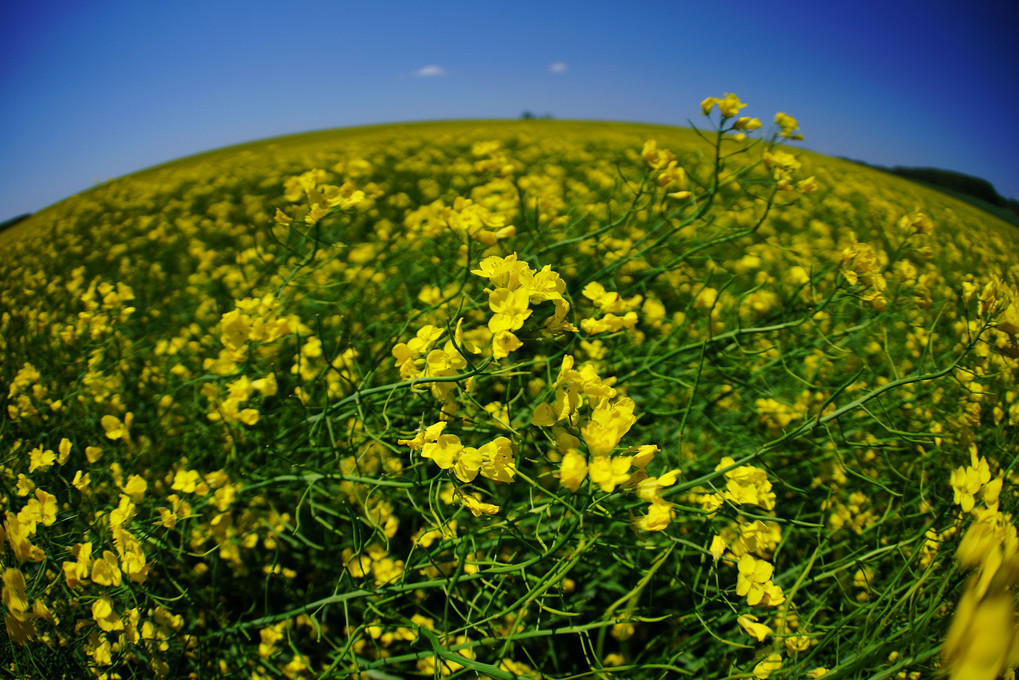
x=430, y=71
x=558, y=67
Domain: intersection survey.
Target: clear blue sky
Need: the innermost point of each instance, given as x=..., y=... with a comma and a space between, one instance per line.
x=98, y=89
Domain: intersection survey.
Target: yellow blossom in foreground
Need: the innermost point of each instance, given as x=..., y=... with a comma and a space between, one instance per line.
x=105, y=616
x=106, y=571
x=77, y=572
x=510, y=307
x=729, y=105
x=789, y=126
x=747, y=485
x=41, y=460
x=572, y=470
x=14, y=597
x=717, y=547
x=17, y=619
x=24, y=486
x=754, y=581
x=967, y=481
x=658, y=517
x=17, y=537
x=769, y=665
x=749, y=623
x=608, y=473
x=982, y=640
x=497, y=460
x=40, y=510
x=132, y=558
x=135, y=488
x=64, y=450
x=504, y=343
x=448, y=452
x=746, y=123
x=608, y=423
x=477, y=507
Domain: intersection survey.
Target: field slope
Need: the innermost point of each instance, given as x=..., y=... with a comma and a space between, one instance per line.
x=510, y=399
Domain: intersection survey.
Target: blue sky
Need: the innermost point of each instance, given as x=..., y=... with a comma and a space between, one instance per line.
x=99, y=89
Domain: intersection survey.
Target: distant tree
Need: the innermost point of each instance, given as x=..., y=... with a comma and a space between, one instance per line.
x=956, y=181
x=1012, y=205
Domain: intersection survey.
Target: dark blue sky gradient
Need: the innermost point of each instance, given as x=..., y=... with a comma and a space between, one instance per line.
x=98, y=89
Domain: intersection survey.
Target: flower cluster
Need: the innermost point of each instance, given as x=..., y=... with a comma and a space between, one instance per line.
x=515, y=288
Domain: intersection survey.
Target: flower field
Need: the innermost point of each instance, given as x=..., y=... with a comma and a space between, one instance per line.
x=528, y=399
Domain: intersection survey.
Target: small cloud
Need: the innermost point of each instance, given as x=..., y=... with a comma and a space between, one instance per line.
x=430, y=71
x=558, y=67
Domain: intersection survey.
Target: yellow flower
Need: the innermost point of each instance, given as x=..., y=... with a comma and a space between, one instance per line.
x=17, y=537
x=789, y=126
x=503, y=272
x=649, y=488
x=497, y=460
x=40, y=460
x=658, y=517
x=730, y=106
x=748, y=622
x=476, y=507
x=717, y=547
x=132, y=557
x=746, y=123
x=572, y=470
x=102, y=612
x=106, y=571
x=115, y=429
x=510, y=307
x=503, y=343
x=610, y=323
x=608, y=472
x=807, y=186
x=14, y=597
x=968, y=481
x=135, y=488
x=982, y=640
x=754, y=575
x=186, y=481
x=77, y=572
x=18, y=621
x=769, y=665
x=747, y=485
x=65, y=450
x=654, y=157
x=41, y=509
x=268, y=638
x=609, y=422
x=124, y=512
x=24, y=486
x=448, y=452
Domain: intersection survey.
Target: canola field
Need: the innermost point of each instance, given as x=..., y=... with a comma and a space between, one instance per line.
x=528, y=399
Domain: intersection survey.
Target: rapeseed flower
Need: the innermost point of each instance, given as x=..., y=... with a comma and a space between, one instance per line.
x=750, y=624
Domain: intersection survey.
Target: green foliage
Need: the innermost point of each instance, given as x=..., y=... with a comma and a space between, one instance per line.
x=509, y=400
